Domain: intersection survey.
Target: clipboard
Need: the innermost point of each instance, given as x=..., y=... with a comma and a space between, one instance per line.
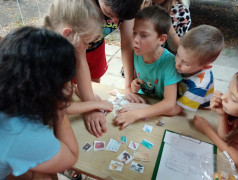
x=174, y=162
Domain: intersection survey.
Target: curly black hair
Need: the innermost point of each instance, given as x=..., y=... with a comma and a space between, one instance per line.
x=35, y=64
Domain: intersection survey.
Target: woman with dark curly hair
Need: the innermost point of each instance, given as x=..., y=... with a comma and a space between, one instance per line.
x=36, y=68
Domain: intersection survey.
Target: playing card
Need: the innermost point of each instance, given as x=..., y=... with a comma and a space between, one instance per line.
x=86, y=147
x=116, y=166
x=141, y=156
x=115, y=92
x=133, y=145
x=113, y=145
x=148, y=128
x=137, y=167
x=125, y=157
x=99, y=145
x=123, y=139
x=147, y=144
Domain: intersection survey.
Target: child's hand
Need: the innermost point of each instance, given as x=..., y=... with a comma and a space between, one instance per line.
x=201, y=124
x=132, y=106
x=124, y=119
x=136, y=85
x=105, y=105
x=132, y=97
x=216, y=103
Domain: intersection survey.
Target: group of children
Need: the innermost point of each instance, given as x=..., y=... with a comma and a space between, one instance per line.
x=38, y=65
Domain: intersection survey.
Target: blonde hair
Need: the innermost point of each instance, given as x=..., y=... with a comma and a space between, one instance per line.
x=74, y=13
x=205, y=42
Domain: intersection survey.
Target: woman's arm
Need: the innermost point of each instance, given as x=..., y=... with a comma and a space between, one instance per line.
x=126, y=30
x=68, y=153
x=173, y=39
x=82, y=107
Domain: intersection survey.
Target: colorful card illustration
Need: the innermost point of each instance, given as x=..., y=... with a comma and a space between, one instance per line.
x=147, y=144
x=113, y=145
x=123, y=139
x=123, y=102
x=137, y=167
x=86, y=147
x=125, y=157
x=116, y=166
x=99, y=145
x=133, y=145
x=147, y=128
x=141, y=156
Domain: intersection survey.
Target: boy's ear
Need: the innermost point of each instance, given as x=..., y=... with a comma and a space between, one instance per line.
x=66, y=32
x=163, y=38
x=207, y=66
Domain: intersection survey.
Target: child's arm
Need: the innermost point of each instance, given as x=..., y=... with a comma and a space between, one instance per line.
x=68, y=153
x=161, y=108
x=95, y=121
x=82, y=107
x=203, y=126
x=126, y=30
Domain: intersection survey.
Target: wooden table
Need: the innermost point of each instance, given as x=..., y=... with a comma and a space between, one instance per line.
x=96, y=163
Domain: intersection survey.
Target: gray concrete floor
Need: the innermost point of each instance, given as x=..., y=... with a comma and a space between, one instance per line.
x=223, y=68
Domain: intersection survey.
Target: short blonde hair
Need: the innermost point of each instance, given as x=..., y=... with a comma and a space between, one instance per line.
x=205, y=42
x=76, y=14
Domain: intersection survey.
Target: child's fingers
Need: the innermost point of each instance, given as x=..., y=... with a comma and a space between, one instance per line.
x=124, y=125
x=139, y=81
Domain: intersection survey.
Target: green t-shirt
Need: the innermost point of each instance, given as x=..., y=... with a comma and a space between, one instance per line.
x=157, y=75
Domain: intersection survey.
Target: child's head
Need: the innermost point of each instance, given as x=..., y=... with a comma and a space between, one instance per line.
x=150, y=29
x=35, y=66
x=198, y=49
x=118, y=9
x=230, y=106
x=230, y=98
x=76, y=20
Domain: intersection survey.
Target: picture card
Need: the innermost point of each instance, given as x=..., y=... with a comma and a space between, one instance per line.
x=147, y=128
x=116, y=166
x=99, y=145
x=137, y=167
x=86, y=147
x=123, y=139
x=147, y=144
x=141, y=156
x=113, y=145
x=125, y=157
x=133, y=145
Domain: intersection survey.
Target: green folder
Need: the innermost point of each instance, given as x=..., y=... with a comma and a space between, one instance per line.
x=157, y=164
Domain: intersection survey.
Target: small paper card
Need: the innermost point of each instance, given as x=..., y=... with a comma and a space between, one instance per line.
x=123, y=139
x=141, y=156
x=86, y=147
x=99, y=145
x=137, y=167
x=116, y=166
x=148, y=128
x=113, y=145
x=133, y=145
x=147, y=144
x=125, y=157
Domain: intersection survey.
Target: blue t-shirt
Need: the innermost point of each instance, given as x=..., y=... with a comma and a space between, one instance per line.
x=157, y=75
x=24, y=144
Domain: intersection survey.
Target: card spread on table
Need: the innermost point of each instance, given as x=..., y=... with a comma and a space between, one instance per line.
x=125, y=157
x=86, y=147
x=147, y=144
x=133, y=145
x=137, y=167
x=99, y=145
x=148, y=128
x=113, y=145
x=141, y=156
x=123, y=139
x=116, y=166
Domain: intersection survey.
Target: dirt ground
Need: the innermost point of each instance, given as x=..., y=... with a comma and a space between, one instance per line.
x=221, y=14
